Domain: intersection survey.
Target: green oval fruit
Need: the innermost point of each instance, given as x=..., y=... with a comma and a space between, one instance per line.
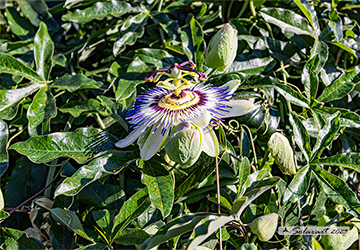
x=282, y=152
x=184, y=144
x=264, y=226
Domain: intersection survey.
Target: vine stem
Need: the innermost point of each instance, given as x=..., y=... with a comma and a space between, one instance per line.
x=38, y=193
x=218, y=197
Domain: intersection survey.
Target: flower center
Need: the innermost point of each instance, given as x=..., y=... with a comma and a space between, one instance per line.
x=184, y=100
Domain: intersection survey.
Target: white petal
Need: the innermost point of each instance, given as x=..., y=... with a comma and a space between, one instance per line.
x=233, y=85
x=130, y=138
x=238, y=108
x=153, y=143
x=210, y=144
x=202, y=120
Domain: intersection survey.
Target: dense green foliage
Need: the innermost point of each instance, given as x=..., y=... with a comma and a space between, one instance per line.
x=69, y=72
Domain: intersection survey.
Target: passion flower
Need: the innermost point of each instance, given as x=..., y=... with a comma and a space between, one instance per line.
x=181, y=97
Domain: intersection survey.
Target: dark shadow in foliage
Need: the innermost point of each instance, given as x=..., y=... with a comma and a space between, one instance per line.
x=102, y=143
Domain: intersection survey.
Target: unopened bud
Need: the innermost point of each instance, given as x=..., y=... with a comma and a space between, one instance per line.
x=264, y=226
x=221, y=51
x=282, y=153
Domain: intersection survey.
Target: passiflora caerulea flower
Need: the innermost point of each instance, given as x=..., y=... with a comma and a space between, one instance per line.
x=181, y=97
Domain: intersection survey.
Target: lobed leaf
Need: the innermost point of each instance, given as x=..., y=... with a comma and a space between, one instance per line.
x=9, y=99
x=341, y=86
x=132, y=208
x=72, y=83
x=43, y=51
x=100, y=10
x=160, y=185
x=96, y=169
x=40, y=112
x=337, y=190
x=348, y=160
x=130, y=31
x=81, y=145
x=288, y=21
x=11, y=65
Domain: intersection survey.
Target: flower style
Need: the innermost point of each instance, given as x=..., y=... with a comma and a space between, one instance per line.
x=182, y=97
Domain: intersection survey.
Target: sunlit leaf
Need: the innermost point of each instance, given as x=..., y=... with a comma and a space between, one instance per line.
x=100, y=10
x=80, y=145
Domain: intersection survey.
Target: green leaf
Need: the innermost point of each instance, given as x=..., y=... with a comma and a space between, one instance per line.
x=16, y=239
x=301, y=136
x=4, y=156
x=130, y=31
x=345, y=47
x=101, y=196
x=18, y=24
x=348, y=160
x=43, y=51
x=30, y=177
x=347, y=118
x=326, y=135
x=253, y=178
x=288, y=21
x=172, y=229
x=337, y=190
x=341, y=86
x=72, y=83
x=61, y=237
x=77, y=108
x=193, y=44
x=11, y=65
x=292, y=95
x=252, y=193
x=244, y=172
x=81, y=145
x=131, y=236
x=102, y=218
x=170, y=26
x=160, y=185
x=202, y=169
x=10, y=98
x=205, y=228
x=310, y=79
x=131, y=209
x=322, y=50
x=157, y=57
x=40, y=112
x=251, y=66
x=310, y=13
x=96, y=169
x=298, y=186
x=125, y=88
x=100, y=10
x=70, y=219
x=114, y=109
x=3, y=215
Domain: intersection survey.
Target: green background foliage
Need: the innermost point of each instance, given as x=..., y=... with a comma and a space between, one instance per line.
x=70, y=69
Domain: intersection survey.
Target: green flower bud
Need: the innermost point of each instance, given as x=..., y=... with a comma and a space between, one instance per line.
x=282, y=152
x=184, y=145
x=221, y=51
x=264, y=226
